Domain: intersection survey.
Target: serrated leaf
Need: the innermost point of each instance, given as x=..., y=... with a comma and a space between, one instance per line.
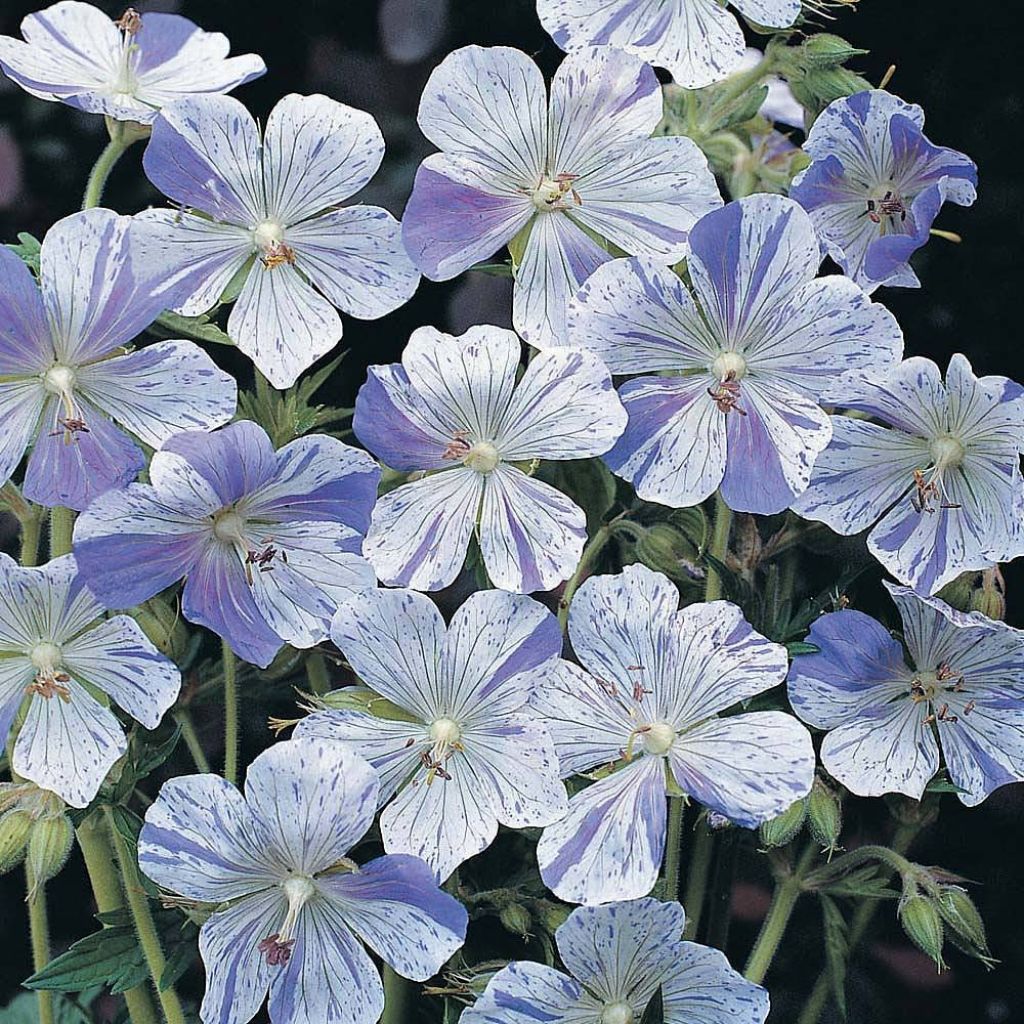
x=837, y=950
x=109, y=957
x=195, y=328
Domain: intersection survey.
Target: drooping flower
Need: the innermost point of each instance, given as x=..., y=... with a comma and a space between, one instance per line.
x=127, y=69
x=452, y=407
x=698, y=41
x=54, y=652
x=938, y=477
x=468, y=752
x=753, y=348
x=547, y=177
x=273, y=205
x=876, y=185
x=298, y=910
x=647, y=702
x=617, y=957
x=962, y=689
x=268, y=542
x=65, y=373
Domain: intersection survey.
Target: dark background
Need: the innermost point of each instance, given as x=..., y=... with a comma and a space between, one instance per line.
x=959, y=61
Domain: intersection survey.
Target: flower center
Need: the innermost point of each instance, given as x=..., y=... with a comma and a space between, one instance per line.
x=482, y=457
x=729, y=365
x=947, y=452
x=277, y=948
x=228, y=526
x=269, y=240
x=555, y=193
x=932, y=687
x=445, y=731
x=885, y=206
x=49, y=681
x=45, y=657
x=658, y=738
x=60, y=380
x=446, y=735
x=619, y=1012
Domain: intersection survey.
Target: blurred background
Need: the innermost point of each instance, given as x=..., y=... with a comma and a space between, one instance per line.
x=962, y=67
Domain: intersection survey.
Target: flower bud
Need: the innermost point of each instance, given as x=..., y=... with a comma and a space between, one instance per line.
x=923, y=925
x=961, y=916
x=957, y=593
x=552, y=915
x=15, y=828
x=516, y=919
x=164, y=626
x=362, y=698
x=824, y=815
x=824, y=50
x=786, y=827
x=664, y=548
x=990, y=597
x=49, y=845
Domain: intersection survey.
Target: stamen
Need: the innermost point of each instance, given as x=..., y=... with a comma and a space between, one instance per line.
x=550, y=193
x=277, y=948
x=130, y=22
x=947, y=453
x=445, y=733
x=269, y=238
x=50, y=681
x=889, y=205
x=60, y=380
x=276, y=254
x=263, y=560
x=729, y=368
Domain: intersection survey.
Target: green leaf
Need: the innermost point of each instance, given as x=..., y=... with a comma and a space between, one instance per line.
x=493, y=269
x=837, y=951
x=28, y=249
x=24, y=1009
x=196, y=328
x=796, y=647
x=941, y=784
x=110, y=957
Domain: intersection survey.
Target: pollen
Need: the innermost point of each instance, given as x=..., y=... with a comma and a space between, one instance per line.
x=555, y=193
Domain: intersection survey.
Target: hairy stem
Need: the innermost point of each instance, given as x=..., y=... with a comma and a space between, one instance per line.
x=673, y=847
x=594, y=547
x=191, y=738
x=787, y=892
x=231, y=738
x=701, y=858
x=145, y=927
x=39, y=930
x=113, y=152
x=718, y=546
x=62, y=525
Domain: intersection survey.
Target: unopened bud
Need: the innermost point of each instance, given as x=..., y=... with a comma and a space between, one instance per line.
x=824, y=50
x=664, y=548
x=990, y=597
x=962, y=918
x=552, y=915
x=923, y=924
x=49, y=845
x=786, y=827
x=516, y=919
x=957, y=593
x=824, y=815
x=15, y=828
x=164, y=626
x=362, y=698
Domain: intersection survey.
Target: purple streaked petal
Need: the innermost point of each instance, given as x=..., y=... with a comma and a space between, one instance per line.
x=26, y=346
x=673, y=449
x=200, y=840
x=610, y=844
x=204, y=153
x=15, y=675
x=773, y=13
x=528, y=993
x=455, y=217
x=564, y=407
x=21, y=406
x=704, y=988
x=160, y=390
x=750, y=767
x=918, y=160
x=420, y=532
x=312, y=801
x=531, y=535
x=316, y=153
x=984, y=749
x=394, y=905
x=356, y=258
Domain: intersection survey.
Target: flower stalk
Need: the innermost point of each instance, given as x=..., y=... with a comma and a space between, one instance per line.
x=231, y=734
x=40, y=937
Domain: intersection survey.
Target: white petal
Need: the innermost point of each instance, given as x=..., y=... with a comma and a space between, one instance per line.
x=984, y=749
x=525, y=992
x=21, y=405
x=704, y=989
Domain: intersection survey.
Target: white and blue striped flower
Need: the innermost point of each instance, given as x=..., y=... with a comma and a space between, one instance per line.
x=294, y=911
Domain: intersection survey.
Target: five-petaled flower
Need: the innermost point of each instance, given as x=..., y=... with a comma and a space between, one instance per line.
x=468, y=752
x=65, y=372
x=620, y=957
x=698, y=41
x=963, y=689
x=752, y=350
x=876, y=185
x=127, y=69
x=452, y=407
x=298, y=909
x=273, y=206
x=546, y=178
x=55, y=650
x=268, y=541
x=647, y=704
x=938, y=477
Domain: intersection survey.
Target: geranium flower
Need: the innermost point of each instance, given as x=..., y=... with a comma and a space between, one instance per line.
x=453, y=405
x=273, y=205
x=65, y=371
x=547, y=177
x=962, y=689
x=55, y=652
x=752, y=350
x=298, y=911
x=876, y=185
x=268, y=542
x=127, y=69
x=647, y=703
x=468, y=753
x=938, y=479
x=698, y=41
x=618, y=956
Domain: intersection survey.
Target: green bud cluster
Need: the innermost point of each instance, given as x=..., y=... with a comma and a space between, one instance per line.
x=815, y=70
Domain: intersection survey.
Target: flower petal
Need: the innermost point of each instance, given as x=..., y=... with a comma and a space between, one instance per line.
x=26, y=346
x=704, y=989
x=750, y=767
x=984, y=749
x=316, y=153
x=525, y=992
x=531, y=535
x=772, y=13
x=200, y=840
x=21, y=406
x=563, y=408
x=420, y=531
x=356, y=258
x=394, y=905
x=313, y=801
x=610, y=844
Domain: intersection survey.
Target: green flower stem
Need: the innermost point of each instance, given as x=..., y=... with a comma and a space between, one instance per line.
x=701, y=859
x=594, y=547
x=31, y=532
x=317, y=674
x=39, y=929
x=231, y=739
x=115, y=148
x=145, y=928
x=62, y=524
x=106, y=888
x=718, y=547
x=396, y=997
x=859, y=924
x=787, y=892
x=673, y=848
x=191, y=738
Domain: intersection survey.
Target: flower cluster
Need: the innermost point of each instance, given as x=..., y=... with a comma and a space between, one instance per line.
x=682, y=346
